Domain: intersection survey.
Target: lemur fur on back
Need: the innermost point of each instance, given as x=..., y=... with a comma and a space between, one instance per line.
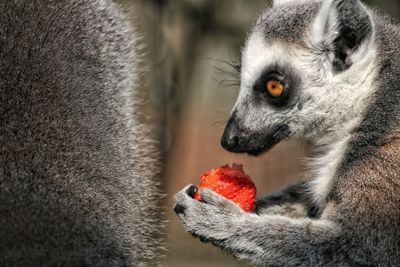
x=77, y=166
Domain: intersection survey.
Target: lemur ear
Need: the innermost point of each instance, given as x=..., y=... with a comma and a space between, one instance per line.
x=345, y=27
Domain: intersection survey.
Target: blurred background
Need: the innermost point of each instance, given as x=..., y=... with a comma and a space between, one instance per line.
x=191, y=84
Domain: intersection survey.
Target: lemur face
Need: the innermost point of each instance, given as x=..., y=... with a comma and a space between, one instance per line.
x=306, y=72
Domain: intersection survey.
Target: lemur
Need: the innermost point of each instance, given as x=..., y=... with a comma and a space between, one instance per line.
x=327, y=72
x=76, y=162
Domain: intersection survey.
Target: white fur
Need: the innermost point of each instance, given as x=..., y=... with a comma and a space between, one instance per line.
x=349, y=93
x=323, y=170
x=257, y=55
x=356, y=89
x=285, y=2
x=325, y=28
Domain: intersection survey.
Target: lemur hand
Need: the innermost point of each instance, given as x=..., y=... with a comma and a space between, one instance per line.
x=214, y=219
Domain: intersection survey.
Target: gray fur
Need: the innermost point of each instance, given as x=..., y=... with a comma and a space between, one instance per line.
x=284, y=22
x=76, y=165
x=352, y=61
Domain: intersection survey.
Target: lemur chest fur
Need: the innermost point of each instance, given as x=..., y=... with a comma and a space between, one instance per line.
x=331, y=149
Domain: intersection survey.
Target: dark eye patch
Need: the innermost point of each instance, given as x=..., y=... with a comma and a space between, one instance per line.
x=285, y=75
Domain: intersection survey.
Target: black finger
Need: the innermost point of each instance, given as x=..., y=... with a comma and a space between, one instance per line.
x=179, y=209
x=191, y=191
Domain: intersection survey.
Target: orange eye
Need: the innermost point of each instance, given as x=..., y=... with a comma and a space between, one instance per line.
x=275, y=88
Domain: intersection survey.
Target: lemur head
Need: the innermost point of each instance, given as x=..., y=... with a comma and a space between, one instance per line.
x=307, y=72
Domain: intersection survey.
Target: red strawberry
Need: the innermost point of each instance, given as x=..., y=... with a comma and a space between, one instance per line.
x=232, y=183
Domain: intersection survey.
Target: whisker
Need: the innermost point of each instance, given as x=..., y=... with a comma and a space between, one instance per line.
x=228, y=73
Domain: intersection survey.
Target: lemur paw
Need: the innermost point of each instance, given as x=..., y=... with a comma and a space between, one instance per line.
x=214, y=219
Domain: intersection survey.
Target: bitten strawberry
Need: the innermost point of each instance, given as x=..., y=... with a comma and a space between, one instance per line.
x=232, y=183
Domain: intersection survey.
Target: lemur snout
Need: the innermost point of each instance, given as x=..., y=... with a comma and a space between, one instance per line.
x=238, y=140
x=231, y=137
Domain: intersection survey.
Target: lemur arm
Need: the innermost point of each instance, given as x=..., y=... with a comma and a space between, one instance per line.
x=266, y=240
x=293, y=201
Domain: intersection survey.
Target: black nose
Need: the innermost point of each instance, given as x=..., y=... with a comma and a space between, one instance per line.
x=231, y=138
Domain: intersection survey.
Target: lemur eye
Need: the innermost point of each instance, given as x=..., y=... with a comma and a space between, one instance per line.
x=275, y=88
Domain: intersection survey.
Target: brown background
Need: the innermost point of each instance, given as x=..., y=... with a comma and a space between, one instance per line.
x=191, y=89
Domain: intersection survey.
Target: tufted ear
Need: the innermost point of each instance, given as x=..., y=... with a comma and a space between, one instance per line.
x=345, y=27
